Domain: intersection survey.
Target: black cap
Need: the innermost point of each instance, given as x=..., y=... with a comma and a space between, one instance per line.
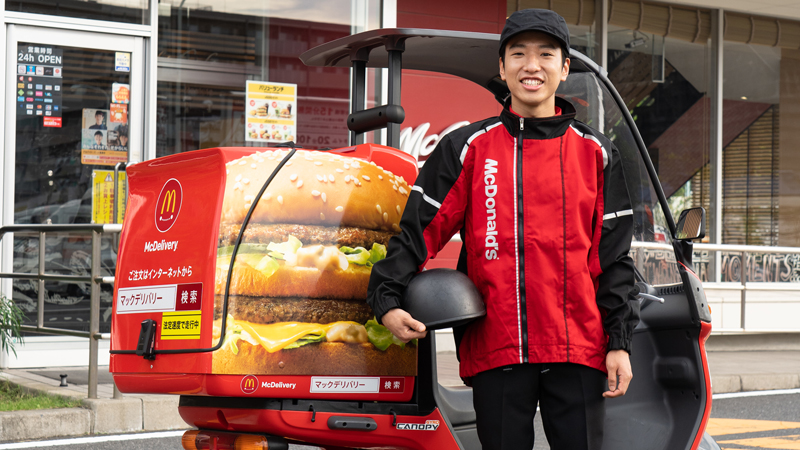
x=542, y=20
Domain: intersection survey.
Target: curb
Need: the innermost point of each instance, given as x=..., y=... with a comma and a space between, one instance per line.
x=45, y=423
x=133, y=413
x=724, y=384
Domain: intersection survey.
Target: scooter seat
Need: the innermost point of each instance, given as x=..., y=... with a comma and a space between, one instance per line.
x=456, y=403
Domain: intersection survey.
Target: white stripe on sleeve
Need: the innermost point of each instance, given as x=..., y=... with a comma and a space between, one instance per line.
x=426, y=198
x=472, y=138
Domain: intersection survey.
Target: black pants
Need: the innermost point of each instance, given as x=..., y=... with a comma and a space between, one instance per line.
x=570, y=397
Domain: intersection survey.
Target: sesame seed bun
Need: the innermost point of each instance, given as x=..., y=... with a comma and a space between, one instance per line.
x=315, y=188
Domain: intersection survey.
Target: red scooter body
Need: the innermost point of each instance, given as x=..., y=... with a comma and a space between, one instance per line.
x=666, y=407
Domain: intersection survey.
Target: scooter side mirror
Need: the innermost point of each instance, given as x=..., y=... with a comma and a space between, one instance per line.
x=691, y=224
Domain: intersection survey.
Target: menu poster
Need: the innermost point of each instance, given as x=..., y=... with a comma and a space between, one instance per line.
x=38, y=86
x=271, y=110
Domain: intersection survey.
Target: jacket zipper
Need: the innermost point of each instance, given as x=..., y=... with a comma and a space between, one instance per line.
x=564, y=217
x=521, y=245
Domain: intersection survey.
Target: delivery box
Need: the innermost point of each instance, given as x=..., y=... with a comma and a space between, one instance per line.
x=290, y=320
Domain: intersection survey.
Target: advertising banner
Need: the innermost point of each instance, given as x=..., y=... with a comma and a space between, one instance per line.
x=271, y=110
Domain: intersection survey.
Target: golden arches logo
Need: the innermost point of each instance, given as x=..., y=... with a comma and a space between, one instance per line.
x=168, y=205
x=249, y=384
x=169, y=198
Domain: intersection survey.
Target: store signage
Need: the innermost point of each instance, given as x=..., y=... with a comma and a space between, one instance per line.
x=38, y=88
x=271, y=110
x=419, y=145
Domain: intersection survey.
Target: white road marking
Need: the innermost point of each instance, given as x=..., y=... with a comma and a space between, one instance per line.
x=92, y=440
x=755, y=393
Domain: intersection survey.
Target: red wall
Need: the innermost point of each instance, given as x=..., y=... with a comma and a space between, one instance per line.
x=441, y=99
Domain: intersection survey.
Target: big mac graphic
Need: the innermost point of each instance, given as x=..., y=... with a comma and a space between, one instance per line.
x=297, y=295
x=296, y=305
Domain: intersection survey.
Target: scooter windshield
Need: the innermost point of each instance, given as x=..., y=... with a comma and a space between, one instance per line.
x=597, y=107
x=296, y=302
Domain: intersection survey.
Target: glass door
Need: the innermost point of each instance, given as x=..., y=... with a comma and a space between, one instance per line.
x=75, y=112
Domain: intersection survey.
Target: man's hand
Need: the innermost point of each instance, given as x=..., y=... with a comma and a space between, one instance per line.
x=403, y=326
x=618, y=363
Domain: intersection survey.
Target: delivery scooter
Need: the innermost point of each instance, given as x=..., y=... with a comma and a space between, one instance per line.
x=162, y=342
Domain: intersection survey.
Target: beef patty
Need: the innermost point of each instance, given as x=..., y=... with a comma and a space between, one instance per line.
x=266, y=310
x=308, y=235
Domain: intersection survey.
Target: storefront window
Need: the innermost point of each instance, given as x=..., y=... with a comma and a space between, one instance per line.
x=231, y=76
x=663, y=82
x=751, y=144
x=73, y=113
x=126, y=11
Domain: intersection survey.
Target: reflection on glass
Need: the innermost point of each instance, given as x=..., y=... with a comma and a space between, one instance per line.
x=126, y=11
x=752, y=134
x=663, y=82
x=207, y=53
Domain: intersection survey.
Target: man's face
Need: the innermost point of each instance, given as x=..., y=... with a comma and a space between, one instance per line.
x=123, y=139
x=98, y=139
x=98, y=118
x=533, y=71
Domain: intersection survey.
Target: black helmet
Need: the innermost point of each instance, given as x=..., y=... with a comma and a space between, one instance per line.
x=443, y=298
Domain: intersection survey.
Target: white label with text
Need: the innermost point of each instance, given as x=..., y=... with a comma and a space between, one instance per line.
x=345, y=384
x=146, y=299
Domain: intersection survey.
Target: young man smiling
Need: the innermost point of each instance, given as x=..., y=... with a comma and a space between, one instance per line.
x=542, y=207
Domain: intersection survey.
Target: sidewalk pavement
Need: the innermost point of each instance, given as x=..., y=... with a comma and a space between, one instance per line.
x=105, y=414
x=731, y=371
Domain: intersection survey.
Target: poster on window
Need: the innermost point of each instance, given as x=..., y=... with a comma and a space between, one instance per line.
x=38, y=84
x=271, y=110
x=104, y=135
x=103, y=196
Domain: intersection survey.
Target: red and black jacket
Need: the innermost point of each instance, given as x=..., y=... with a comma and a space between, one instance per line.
x=546, y=220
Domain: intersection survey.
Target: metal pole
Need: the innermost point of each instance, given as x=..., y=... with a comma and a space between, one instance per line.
x=715, y=135
x=395, y=49
x=94, y=314
x=40, y=302
x=122, y=166
x=601, y=33
x=745, y=272
x=358, y=95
